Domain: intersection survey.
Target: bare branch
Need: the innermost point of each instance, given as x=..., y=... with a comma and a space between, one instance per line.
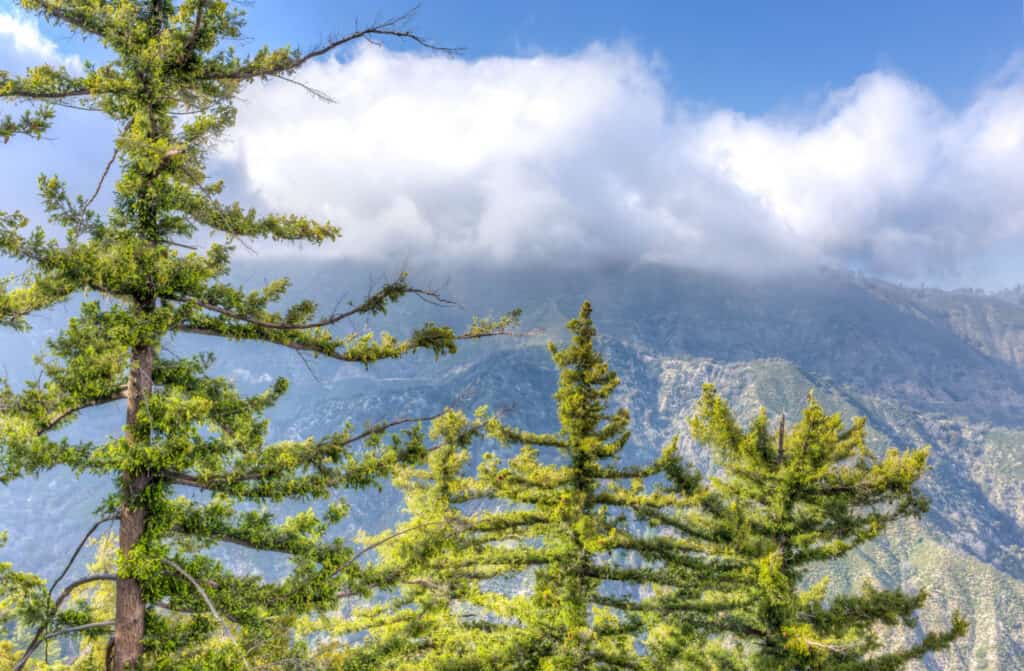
x=52, y=423
x=387, y=539
x=184, y=611
x=394, y=27
x=81, y=627
x=99, y=185
x=72, y=586
x=316, y=93
x=81, y=545
x=209, y=604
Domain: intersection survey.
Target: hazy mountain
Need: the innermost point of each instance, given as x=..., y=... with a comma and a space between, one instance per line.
x=925, y=366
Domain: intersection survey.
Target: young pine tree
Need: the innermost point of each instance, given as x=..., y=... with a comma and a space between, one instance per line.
x=804, y=497
x=433, y=609
x=155, y=263
x=616, y=555
x=578, y=513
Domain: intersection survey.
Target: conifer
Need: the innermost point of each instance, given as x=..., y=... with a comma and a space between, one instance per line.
x=432, y=608
x=154, y=266
x=805, y=498
x=605, y=569
x=542, y=560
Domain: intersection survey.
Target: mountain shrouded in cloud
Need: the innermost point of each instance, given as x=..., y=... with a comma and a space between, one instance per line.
x=586, y=158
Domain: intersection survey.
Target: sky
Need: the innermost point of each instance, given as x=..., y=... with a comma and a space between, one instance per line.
x=748, y=137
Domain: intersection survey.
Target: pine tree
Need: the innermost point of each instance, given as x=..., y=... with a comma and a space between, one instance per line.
x=577, y=514
x=606, y=568
x=151, y=268
x=802, y=498
x=545, y=560
x=432, y=610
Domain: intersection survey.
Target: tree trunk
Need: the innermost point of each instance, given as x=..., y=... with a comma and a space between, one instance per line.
x=130, y=609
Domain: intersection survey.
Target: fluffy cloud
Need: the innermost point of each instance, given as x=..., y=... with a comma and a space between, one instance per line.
x=586, y=158
x=22, y=34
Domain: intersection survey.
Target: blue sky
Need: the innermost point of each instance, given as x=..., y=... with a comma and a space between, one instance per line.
x=741, y=136
x=752, y=56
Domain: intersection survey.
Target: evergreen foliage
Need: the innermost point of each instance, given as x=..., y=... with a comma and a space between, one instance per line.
x=154, y=266
x=547, y=559
x=565, y=555
x=433, y=609
x=799, y=498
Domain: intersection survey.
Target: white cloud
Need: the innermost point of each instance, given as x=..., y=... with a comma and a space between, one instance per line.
x=582, y=158
x=22, y=33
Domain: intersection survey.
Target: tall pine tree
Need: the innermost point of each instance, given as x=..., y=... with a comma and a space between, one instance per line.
x=800, y=498
x=155, y=263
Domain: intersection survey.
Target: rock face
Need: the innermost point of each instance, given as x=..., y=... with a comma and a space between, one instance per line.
x=924, y=366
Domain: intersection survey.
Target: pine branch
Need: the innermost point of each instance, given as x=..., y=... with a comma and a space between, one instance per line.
x=209, y=604
x=81, y=21
x=372, y=304
x=39, y=636
x=81, y=544
x=388, y=28
x=64, y=414
x=197, y=27
x=78, y=628
x=226, y=480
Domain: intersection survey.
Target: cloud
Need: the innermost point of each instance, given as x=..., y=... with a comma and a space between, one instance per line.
x=22, y=34
x=586, y=158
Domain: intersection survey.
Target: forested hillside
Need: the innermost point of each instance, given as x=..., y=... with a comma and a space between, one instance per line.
x=905, y=359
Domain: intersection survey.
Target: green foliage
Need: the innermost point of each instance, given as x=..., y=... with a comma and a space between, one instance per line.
x=806, y=496
x=558, y=557
x=169, y=89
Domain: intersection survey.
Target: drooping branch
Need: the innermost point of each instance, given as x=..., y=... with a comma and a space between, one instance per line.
x=72, y=586
x=64, y=414
x=315, y=92
x=81, y=544
x=209, y=604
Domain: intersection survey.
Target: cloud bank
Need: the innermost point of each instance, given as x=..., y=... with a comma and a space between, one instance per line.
x=21, y=34
x=586, y=158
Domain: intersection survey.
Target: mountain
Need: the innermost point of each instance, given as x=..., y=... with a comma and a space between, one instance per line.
x=924, y=366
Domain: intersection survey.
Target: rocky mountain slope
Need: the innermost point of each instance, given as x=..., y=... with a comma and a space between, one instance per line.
x=924, y=366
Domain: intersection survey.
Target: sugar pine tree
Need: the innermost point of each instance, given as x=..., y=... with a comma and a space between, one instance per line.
x=798, y=499
x=155, y=263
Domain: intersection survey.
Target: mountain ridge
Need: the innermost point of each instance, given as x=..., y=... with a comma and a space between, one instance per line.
x=924, y=366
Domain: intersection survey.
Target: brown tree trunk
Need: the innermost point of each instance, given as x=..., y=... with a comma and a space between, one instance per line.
x=130, y=609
